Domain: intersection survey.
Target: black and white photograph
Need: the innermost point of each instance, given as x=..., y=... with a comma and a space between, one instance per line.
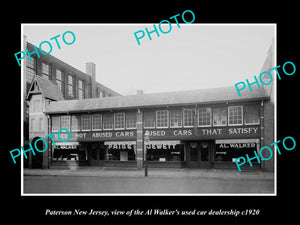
x=134, y=114
x=108, y=111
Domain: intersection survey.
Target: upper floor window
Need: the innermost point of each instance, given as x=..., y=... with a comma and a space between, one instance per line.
x=80, y=89
x=75, y=123
x=59, y=79
x=70, y=86
x=251, y=114
x=108, y=121
x=119, y=121
x=55, y=123
x=188, y=117
x=65, y=122
x=130, y=120
x=149, y=119
x=204, y=117
x=162, y=119
x=96, y=121
x=85, y=122
x=30, y=69
x=46, y=73
x=219, y=116
x=175, y=118
x=235, y=115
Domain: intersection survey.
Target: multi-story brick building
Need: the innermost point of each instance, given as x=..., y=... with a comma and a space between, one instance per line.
x=62, y=80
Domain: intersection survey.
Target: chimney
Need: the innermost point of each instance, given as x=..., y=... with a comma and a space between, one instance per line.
x=90, y=68
x=139, y=92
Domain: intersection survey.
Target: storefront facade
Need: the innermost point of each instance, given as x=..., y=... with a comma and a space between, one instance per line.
x=189, y=129
x=181, y=136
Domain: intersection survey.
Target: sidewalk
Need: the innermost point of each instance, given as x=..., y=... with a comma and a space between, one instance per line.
x=153, y=172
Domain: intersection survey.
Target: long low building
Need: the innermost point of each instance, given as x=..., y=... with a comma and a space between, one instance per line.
x=206, y=128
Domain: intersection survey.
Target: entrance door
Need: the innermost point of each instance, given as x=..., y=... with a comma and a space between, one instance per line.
x=200, y=154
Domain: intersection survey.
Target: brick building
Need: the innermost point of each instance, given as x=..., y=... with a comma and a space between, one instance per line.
x=63, y=81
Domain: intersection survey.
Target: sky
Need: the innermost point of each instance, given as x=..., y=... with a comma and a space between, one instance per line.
x=194, y=56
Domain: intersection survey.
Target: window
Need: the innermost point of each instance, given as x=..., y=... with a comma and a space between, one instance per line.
x=40, y=123
x=235, y=115
x=88, y=91
x=149, y=119
x=130, y=120
x=70, y=86
x=32, y=124
x=85, y=122
x=162, y=119
x=96, y=121
x=80, y=89
x=175, y=118
x=46, y=71
x=251, y=114
x=108, y=122
x=219, y=116
x=59, y=79
x=55, y=123
x=188, y=117
x=204, y=117
x=30, y=69
x=75, y=126
x=119, y=121
x=65, y=122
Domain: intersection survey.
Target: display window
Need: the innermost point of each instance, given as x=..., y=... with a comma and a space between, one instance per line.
x=165, y=152
x=69, y=152
x=229, y=150
x=119, y=152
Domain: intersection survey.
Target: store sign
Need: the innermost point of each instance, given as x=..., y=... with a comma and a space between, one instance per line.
x=101, y=135
x=207, y=133
x=168, y=134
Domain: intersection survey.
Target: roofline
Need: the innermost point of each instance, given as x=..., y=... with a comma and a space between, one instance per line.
x=73, y=69
x=157, y=106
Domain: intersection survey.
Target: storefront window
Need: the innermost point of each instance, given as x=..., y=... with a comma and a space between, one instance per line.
x=108, y=122
x=130, y=120
x=228, y=150
x=120, y=152
x=219, y=116
x=188, y=117
x=204, y=117
x=235, y=115
x=119, y=121
x=96, y=121
x=251, y=114
x=86, y=122
x=165, y=153
x=75, y=126
x=175, y=118
x=149, y=119
x=162, y=119
x=69, y=152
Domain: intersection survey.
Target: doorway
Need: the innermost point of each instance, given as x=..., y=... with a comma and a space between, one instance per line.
x=200, y=154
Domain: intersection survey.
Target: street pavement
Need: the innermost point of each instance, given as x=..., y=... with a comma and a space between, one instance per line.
x=95, y=180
